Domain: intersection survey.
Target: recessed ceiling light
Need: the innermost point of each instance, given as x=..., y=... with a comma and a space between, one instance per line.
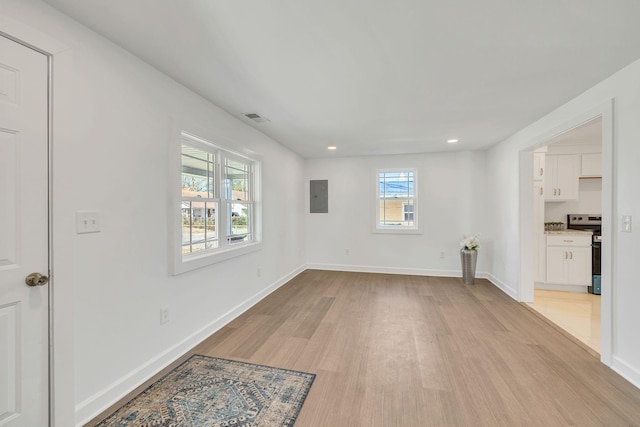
x=332, y=147
x=452, y=141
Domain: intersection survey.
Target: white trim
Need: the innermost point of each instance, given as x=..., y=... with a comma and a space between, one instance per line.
x=391, y=270
x=526, y=231
x=609, y=213
x=396, y=230
x=61, y=297
x=28, y=35
x=606, y=111
x=399, y=229
x=509, y=290
x=559, y=287
x=177, y=261
x=626, y=370
x=109, y=395
x=194, y=262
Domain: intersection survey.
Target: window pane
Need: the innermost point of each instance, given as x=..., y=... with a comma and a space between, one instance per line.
x=186, y=227
x=210, y=229
x=408, y=211
x=198, y=226
x=396, y=199
x=198, y=172
x=239, y=227
x=396, y=212
x=237, y=176
x=396, y=184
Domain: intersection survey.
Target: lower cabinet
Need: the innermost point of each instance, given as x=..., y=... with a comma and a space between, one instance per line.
x=569, y=259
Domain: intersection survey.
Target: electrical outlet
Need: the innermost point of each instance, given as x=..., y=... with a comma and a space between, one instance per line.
x=259, y=271
x=442, y=254
x=347, y=251
x=164, y=315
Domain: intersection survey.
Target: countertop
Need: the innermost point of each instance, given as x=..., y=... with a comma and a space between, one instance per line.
x=583, y=232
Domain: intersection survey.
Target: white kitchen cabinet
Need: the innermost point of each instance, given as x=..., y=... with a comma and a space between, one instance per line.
x=568, y=259
x=561, y=177
x=591, y=165
x=538, y=166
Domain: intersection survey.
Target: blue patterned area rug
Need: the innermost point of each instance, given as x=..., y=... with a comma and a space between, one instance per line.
x=211, y=392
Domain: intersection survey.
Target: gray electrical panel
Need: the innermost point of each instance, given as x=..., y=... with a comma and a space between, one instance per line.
x=319, y=196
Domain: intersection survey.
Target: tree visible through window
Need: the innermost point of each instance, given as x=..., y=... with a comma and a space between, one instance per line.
x=396, y=199
x=199, y=200
x=217, y=201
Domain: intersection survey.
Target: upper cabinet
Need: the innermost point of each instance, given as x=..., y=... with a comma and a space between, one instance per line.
x=561, y=177
x=591, y=165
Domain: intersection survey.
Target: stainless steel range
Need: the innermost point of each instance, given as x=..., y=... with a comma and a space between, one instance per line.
x=593, y=223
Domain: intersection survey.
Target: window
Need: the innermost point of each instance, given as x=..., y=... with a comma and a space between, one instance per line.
x=237, y=178
x=217, y=202
x=408, y=212
x=200, y=203
x=396, y=201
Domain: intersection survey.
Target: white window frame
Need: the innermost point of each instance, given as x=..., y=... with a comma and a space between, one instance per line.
x=396, y=229
x=226, y=248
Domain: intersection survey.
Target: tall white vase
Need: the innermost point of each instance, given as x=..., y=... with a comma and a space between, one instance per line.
x=468, y=257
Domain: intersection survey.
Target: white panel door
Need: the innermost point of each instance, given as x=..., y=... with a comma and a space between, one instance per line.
x=24, y=340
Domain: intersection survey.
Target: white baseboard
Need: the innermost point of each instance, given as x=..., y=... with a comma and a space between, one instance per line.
x=509, y=290
x=91, y=407
x=393, y=270
x=565, y=288
x=387, y=270
x=628, y=372
x=512, y=292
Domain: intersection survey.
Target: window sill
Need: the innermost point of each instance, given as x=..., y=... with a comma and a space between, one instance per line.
x=394, y=230
x=199, y=261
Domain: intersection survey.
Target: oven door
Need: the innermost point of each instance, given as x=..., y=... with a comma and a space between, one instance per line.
x=595, y=255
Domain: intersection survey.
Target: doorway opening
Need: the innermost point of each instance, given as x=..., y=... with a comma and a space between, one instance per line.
x=567, y=231
x=572, y=178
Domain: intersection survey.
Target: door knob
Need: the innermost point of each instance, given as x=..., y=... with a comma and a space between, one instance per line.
x=36, y=279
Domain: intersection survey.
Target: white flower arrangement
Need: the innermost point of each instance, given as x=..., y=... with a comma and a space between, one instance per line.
x=470, y=243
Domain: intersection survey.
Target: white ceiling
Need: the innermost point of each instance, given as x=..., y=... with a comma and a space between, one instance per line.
x=377, y=76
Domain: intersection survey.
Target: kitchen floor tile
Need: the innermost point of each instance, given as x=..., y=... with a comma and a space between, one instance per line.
x=576, y=313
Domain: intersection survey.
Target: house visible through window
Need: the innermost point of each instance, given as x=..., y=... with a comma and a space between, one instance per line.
x=396, y=200
x=237, y=178
x=408, y=212
x=200, y=201
x=218, y=198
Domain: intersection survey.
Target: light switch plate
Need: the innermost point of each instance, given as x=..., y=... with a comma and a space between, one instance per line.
x=625, y=225
x=87, y=222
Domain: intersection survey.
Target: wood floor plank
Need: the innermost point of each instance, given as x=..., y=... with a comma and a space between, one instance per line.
x=392, y=350
x=315, y=315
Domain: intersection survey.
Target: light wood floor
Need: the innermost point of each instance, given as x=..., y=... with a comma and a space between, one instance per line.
x=577, y=313
x=393, y=350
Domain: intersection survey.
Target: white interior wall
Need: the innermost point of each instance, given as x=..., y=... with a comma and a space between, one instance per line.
x=503, y=164
x=116, y=161
x=451, y=190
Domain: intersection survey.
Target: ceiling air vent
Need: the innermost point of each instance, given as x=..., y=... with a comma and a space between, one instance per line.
x=256, y=117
